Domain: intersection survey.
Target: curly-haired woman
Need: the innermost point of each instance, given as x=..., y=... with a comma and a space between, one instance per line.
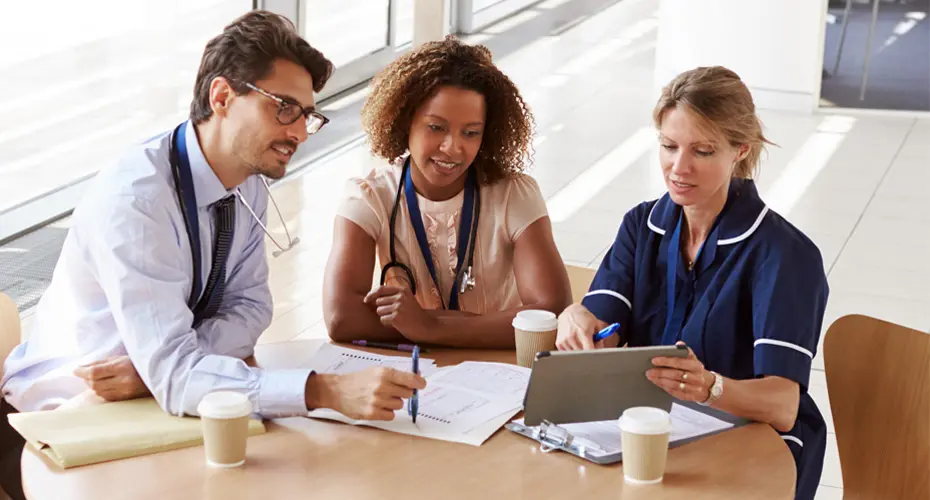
x=461, y=234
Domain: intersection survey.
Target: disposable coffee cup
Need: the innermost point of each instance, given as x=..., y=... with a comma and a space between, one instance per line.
x=645, y=434
x=534, y=332
x=225, y=419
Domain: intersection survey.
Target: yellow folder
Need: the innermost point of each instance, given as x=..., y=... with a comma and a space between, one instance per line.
x=80, y=436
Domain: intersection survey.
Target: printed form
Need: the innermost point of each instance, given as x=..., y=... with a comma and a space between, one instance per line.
x=465, y=403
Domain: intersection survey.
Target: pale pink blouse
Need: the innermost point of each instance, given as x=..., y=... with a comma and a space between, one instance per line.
x=508, y=207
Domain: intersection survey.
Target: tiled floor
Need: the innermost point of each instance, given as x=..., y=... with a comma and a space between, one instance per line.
x=855, y=185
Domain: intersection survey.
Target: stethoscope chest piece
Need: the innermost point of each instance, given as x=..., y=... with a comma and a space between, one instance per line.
x=468, y=281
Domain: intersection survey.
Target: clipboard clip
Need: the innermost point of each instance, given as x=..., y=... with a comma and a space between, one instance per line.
x=552, y=437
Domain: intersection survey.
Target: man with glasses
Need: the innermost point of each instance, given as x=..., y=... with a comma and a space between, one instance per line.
x=162, y=284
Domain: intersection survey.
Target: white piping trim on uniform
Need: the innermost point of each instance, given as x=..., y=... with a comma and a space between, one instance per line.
x=782, y=343
x=794, y=440
x=650, y=224
x=755, y=225
x=612, y=294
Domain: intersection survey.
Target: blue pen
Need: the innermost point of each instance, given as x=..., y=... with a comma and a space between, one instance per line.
x=606, y=332
x=413, y=404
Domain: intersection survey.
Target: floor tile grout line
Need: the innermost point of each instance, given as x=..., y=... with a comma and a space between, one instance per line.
x=881, y=180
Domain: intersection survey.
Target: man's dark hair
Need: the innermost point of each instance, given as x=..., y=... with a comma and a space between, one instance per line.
x=244, y=53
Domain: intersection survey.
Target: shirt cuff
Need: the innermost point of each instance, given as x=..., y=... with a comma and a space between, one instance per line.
x=282, y=393
x=783, y=359
x=607, y=306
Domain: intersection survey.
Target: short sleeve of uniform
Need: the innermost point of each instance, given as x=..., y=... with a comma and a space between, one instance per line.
x=525, y=205
x=360, y=204
x=612, y=289
x=789, y=296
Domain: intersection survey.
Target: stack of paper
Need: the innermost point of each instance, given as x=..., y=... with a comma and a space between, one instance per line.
x=465, y=403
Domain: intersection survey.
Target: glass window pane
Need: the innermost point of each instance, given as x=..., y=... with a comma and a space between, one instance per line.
x=346, y=30
x=101, y=75
x=479, y=5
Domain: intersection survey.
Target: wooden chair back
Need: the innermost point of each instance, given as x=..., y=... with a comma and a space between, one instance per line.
x=878, y=378
x=580, y=279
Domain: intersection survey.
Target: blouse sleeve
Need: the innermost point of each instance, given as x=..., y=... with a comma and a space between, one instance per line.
x=789, y=297
x=361, y=205
x=525, y=205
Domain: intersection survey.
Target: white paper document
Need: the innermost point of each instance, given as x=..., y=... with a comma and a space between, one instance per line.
x=604, y=437
x=340, y=360
x=497, y=380
x=465, y=403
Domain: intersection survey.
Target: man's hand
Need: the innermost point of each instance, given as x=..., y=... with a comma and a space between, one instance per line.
x=398, y=308
x=113, y=379
x=371, y=394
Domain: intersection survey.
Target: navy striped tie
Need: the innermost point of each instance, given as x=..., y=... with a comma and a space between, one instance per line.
x=224, y=217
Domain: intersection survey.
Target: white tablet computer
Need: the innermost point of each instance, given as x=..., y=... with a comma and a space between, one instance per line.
x=588, y=386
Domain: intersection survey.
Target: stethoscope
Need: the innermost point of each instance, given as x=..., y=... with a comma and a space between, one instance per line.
x=464, y=276
x=290, y=241
x=181, y=175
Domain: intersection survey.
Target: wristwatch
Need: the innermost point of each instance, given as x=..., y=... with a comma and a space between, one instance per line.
x=716, y=390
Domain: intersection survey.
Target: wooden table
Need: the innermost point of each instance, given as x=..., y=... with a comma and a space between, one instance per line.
x=342, y=461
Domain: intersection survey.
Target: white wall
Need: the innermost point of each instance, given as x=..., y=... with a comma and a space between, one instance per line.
x=776, y=46
x=429, y=21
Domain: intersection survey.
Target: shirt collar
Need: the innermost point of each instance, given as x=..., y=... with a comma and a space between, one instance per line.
x=207, y=185
x=741, y=215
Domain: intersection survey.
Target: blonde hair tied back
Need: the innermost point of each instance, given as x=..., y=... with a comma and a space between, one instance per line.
x=724, y=106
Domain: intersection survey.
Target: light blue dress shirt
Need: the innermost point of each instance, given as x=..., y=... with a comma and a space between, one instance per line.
x=121, y=287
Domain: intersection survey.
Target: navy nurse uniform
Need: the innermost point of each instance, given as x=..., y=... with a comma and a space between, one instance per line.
x=752, y=305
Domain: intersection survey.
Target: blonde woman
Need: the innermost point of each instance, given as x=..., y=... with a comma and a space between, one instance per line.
x=709, y=265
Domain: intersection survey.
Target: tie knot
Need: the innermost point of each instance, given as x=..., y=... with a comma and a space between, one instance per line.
x=225, y=203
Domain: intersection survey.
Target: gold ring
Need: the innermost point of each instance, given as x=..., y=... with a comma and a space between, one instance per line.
x=681, y=386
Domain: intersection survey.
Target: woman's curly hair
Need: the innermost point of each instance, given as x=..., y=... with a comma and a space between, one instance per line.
x=408, y=82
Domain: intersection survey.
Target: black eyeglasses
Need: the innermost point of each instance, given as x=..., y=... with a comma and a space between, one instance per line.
x=289, y=112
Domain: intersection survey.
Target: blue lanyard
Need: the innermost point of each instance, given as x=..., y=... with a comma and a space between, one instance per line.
x=465, y=230
x=184, y=185
x=676, y=313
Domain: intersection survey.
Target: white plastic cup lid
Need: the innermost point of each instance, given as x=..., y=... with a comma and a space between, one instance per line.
x=645, y=420
x=224, y=404
x=535, y=321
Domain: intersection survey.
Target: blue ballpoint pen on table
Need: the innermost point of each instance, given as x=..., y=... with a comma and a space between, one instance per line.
x=412, y=405
x=606, y=332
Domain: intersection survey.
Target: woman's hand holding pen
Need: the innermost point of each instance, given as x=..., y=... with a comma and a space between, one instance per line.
x=577, y=327
x=398, y=308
